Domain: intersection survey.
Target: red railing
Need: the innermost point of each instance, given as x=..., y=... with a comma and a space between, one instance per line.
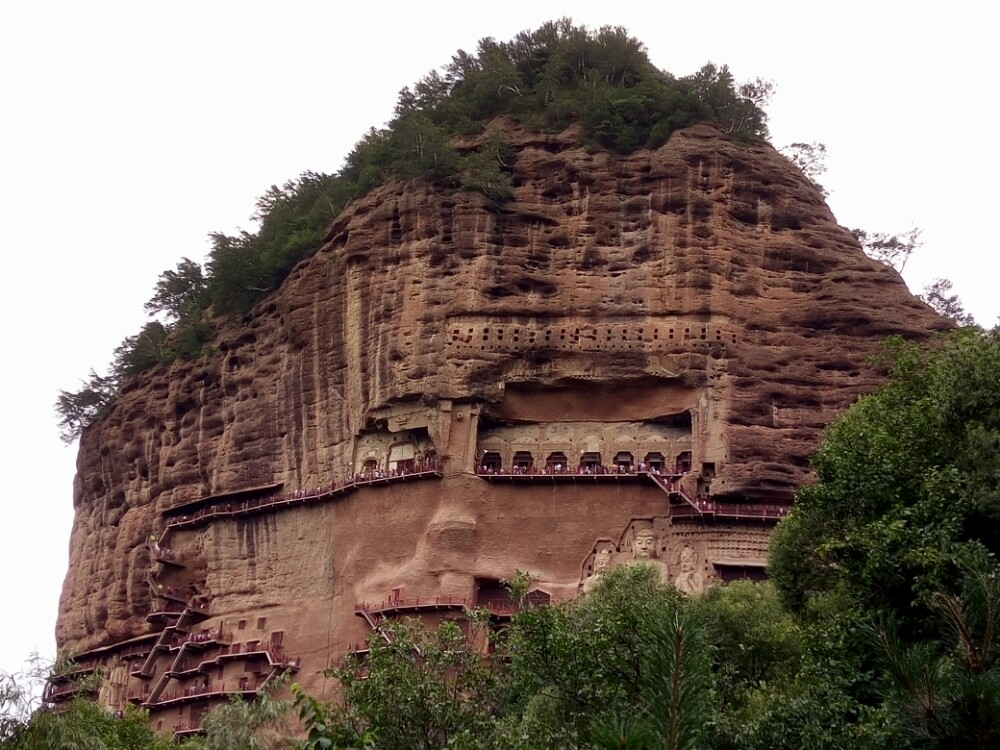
x=231, y=508
x=669, y=483
x=500, y=609
x=181, y=730
x=707, y=507
x=276, y=657
x=219, y=635
x=167, y=556
x=173, y=593
x=54, y=692
x=199, y=692
x=277, y=660
x=426, y=602
x=497, y=608
x=177, y=606
x=573, y=471
x=171, y=607
x=186, y=667
x=135, y=651
x=138, y=696
x=75, y=669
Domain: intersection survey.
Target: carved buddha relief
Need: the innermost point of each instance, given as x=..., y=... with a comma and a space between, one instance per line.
x=602, y=563
x=645, y=551
x=689, y=579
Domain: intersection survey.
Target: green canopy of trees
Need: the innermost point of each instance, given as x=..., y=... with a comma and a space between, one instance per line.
x=909, y=482
x=892, y=553
x=81, y=725
x=630, y=665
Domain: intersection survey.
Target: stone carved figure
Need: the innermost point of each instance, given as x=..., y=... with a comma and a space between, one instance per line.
x=602, y=562
x=644, y=545
x=689, y=579
x=111, y=694
x=644, y=552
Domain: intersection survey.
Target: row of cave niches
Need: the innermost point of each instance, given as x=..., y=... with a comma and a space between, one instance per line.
x=589, y=337
x=590, y=462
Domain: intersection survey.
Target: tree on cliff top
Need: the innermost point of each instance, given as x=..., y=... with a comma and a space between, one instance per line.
x=178, y=292
x=78, y=409
x=810, y=158
x=892, y=249
x=938, y=295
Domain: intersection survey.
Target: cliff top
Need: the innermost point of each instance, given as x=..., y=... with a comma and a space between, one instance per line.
x=598, y=85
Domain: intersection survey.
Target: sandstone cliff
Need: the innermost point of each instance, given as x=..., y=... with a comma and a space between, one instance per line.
x=702, y=289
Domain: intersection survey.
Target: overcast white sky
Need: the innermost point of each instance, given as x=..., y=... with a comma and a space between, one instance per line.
x=130, y=130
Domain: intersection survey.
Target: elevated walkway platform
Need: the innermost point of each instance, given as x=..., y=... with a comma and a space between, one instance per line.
x=230, y=505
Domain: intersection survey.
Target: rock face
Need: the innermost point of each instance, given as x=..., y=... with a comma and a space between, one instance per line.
x=693, y=311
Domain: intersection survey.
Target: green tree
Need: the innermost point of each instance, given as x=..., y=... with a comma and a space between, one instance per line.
x=238, y=277
x=487, y=170
x=625, y=666
x=79, y=409
x=84, y=725
x=755, y=642
x=81, y=725
x=894, y=250
x=413, y=689
x=945, y=691
x=138, y=353
x=810, y=158
x=907, y=494
x=627, y=657
x=909, y=484
x=735, y=108
x=178, y=293
x=258, y=724
x=20, y=696
x=293, y=220
x=938, y=295
x=421, y=148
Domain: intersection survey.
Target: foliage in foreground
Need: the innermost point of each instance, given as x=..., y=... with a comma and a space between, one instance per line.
x=909, y=484
x=945, y=691
x=631, y=665
x=892, y=552
x=421, y=690
x=260, y=724
x=83, y=725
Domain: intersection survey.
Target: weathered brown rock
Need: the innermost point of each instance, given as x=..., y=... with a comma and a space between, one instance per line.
x=700, y=297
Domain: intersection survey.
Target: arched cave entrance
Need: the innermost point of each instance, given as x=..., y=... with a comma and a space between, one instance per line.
x=402, y=458
x=523, y=462
x=655, y=462
x=624, y=461
x=556, y=462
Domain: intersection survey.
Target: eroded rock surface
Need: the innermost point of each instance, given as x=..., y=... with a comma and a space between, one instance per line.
x=697, y=302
